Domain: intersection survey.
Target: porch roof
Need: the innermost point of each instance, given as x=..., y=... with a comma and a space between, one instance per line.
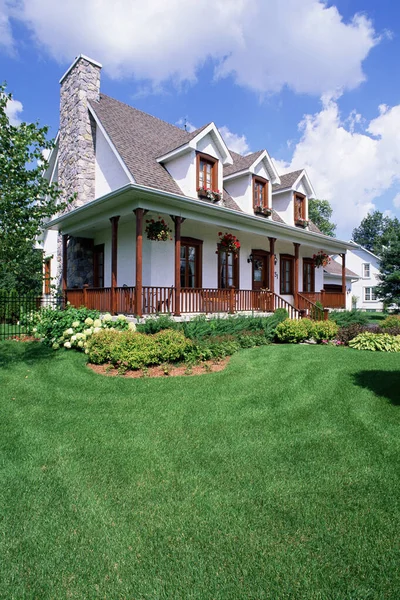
x=95, y=215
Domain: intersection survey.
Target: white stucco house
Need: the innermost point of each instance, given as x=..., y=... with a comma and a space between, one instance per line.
x=126, y=167
x=362, y=277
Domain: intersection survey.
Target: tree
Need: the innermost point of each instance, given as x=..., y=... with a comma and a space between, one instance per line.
x=389, y=288
x=376, y=232
x=27, y=199
x=320, y=212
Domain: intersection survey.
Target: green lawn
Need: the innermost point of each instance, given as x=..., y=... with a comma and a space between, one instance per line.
x=276, y=478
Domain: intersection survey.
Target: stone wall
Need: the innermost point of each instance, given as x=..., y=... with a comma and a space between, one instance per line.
x=79, y=262
x=76, y=159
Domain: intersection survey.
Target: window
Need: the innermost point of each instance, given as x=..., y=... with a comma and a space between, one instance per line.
x=98, y=266
x=207, y=172
x=191, y=261
x=308, y=275
x=260, y=193
x=369, y=294
x=47, y=275
x=287, y=272
x=228, y=269
x=366, y=270
x=299, y=207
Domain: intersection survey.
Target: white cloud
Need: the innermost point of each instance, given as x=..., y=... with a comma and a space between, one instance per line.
x=263, y=44
x=13, y=110
x=183, y=123
x=237, y=143
x=6, y=39
x=350, y=169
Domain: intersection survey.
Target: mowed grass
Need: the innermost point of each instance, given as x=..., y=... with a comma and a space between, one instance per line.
x=276, y=478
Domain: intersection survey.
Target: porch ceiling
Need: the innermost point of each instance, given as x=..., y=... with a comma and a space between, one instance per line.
x=95, y=215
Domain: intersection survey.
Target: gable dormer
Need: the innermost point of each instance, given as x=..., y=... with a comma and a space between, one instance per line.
x=290, y=198
x=197, y=165
x=249, y=181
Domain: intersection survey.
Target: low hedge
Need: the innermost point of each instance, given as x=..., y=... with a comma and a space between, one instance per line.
x=297, y=331
x=343, y=318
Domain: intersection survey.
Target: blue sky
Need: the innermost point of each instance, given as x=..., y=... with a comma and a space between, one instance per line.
x=315, y=83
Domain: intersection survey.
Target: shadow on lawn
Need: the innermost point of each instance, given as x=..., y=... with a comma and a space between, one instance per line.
x=13, y=352
x=382, y=383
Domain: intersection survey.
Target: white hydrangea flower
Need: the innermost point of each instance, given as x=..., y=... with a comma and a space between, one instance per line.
x=88, y=332
x=69, y=332
x=131, y=326
x=80, y=344
x=67, y=345
x=75, y=324
x=97, y=323
x=89, y=321
x=107, y=317
x=55, y=346
x=78, y=336
x=121, y=318
x=86, y=351
x=34, y=329
x=96, y=329
x=73, y=338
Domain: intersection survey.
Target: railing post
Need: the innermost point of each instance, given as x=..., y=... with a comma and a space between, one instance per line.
x=139, y=262
x=232, y=300
x=326, y=314
x=85, y=287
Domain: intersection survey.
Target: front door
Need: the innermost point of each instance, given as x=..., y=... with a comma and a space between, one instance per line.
x=260, y=269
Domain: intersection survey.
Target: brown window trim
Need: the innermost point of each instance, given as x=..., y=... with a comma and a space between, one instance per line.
x=283, y=258
x=236, y=262
x=47, y=275
x=214, y=169
x=97, y=274
x=309, y=261
x=198, y=244
x=264, y=183
x=297, y=196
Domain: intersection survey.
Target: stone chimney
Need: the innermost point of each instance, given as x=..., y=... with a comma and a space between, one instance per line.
x=76, y=159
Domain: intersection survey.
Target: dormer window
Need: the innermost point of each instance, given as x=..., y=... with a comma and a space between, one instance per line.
x=300, y=210
x=207, y=177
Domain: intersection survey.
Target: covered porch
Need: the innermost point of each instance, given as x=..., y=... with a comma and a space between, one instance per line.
x=139, y=277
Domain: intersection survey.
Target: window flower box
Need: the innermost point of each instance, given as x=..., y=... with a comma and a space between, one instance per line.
x=209, y=193
x=321, y=259
x=263, y=210
x=301, y=223
x=158, y=231
x=229, y=243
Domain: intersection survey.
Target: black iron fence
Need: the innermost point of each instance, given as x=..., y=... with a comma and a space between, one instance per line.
x=17, y=312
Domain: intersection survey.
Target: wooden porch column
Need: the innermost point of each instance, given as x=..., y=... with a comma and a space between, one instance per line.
x=64, y=263
x=139, y=262
x=114, y=262
x=178, y=222
x=272, y=241
x=296, y=272
x=344, y=278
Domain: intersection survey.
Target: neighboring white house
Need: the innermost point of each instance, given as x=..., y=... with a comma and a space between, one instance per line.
x=126, y=167
x=362, y=277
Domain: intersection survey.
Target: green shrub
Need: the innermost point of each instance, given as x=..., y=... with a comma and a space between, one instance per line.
x=381, y=342
x=348, y=317
x=133, y=350
x=292, y=331
x=390, y=322
x=156, y=324
x=324, y=330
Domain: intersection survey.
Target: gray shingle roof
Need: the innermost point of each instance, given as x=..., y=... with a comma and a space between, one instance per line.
x=314, y=228
x=287, y=180
x=139, y=139
x=240, y=163
x=335, y=268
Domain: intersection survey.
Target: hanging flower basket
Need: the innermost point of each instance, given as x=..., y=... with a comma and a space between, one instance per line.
x=321, y=259
x=210, y=194
x=229, y=242
x=301, y=223
x=158, y=231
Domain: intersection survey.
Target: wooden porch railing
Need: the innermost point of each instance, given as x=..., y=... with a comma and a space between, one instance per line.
x=327, y=299
x=161, y=300
x=312, y=311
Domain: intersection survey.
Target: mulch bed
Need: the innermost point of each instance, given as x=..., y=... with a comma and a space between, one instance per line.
x=163, y=371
